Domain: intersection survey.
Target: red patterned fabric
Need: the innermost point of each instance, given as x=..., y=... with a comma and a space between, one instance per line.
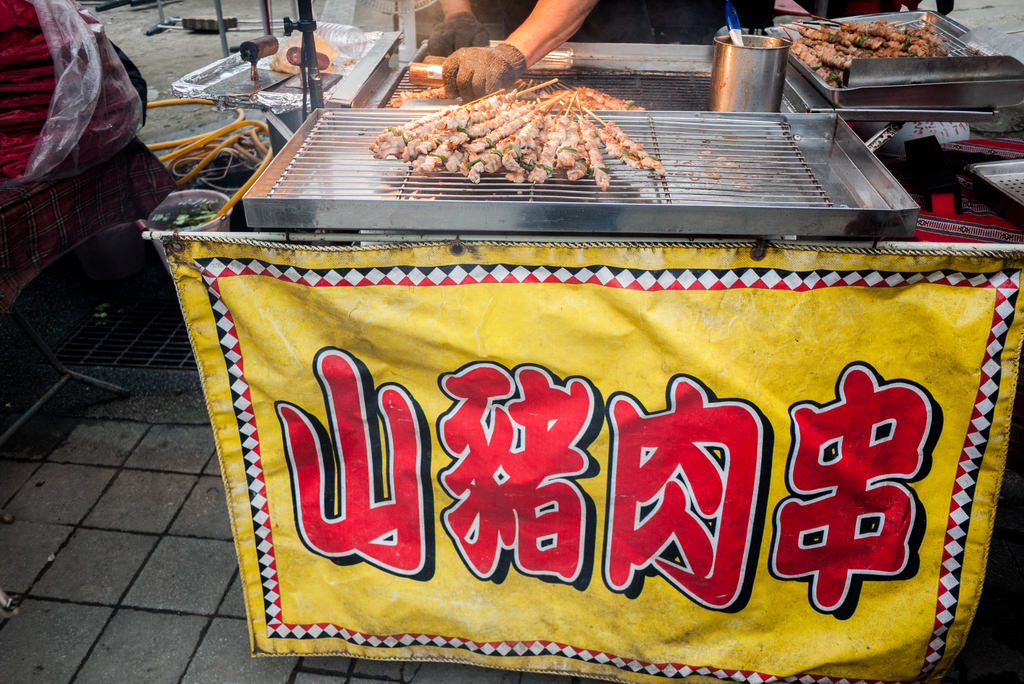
x=39, y=222
x=978, y=223
x=26, y=71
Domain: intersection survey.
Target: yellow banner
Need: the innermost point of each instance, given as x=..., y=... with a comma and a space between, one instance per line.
x=632, y=461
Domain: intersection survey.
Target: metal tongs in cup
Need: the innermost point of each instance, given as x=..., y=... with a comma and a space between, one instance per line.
x=732, y=20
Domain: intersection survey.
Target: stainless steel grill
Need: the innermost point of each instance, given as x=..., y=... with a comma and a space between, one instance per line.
x=768, y=174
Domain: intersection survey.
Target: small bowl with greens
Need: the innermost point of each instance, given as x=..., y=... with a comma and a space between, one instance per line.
x=190, y=210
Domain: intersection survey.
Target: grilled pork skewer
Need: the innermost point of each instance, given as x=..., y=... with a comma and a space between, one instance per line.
x=592, y=148
x=828, y=48
x=392, y=141
x=486, y=154
x=499, y=134
x=630, y=152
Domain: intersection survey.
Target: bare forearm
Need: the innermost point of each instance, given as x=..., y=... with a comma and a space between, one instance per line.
x=551, y=23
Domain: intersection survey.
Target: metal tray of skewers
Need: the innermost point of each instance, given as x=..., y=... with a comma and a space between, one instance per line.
x=919, y=60
x=654, y=173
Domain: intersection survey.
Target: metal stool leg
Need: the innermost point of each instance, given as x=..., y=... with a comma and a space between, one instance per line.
x=66, y=374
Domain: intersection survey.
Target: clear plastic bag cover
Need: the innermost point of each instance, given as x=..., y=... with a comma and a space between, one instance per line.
x=94, y=110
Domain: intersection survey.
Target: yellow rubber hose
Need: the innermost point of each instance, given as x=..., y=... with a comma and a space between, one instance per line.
x=203, y=148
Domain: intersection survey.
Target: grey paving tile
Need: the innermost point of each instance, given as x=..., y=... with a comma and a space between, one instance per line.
x=95, y=566
x=223, y=657
x=205, y=513
x=102, y=442
x=24, y=550
x=1010, y=510
x=1017, y=553
x=153, y=647
x=47, y=641
x=182, y=448
x=452, y=673
x=308, y=678
x=388, y=669
x=988, y=655
x=233, y=605
x=1002, y=573
x=212, y=466
x=13, y=474
x=336, y=665
x=60, y=493
x=141, y=501
x=187, y=575
x=38, y=437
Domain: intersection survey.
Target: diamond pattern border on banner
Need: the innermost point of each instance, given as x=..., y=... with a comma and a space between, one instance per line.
x=1006, y=285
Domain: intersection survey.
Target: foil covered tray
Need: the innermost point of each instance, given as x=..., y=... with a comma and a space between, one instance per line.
x=972, y=81
x=228, y=81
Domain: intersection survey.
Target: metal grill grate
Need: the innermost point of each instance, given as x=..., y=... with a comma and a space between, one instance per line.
x=734, y=174
x=137, y=334
x=666, y=91
x=738, y=161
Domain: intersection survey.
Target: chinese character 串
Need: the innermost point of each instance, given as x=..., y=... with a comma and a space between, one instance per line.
x=519, y=442
x=353, y=502
x=686, y=494
x=852, y=517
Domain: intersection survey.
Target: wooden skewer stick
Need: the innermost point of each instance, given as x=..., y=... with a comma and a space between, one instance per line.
x=787, y=30
x=538, y=86
x=599, y=119
x=496, y=92
x=552, y=101
x=567, y=112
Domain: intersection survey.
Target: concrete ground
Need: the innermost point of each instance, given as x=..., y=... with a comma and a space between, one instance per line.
x=113, y=586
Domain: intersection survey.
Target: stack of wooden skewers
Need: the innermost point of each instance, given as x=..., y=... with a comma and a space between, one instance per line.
x=591, y=98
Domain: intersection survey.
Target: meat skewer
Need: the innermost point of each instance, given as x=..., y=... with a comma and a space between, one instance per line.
x=628, y=151
x=413, y=95
x=523, y=140
x=592, y=147
x=830, y=47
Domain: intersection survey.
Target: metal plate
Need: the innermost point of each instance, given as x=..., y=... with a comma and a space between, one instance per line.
x=727, y=174
x=975, y=91
x=1001, y=185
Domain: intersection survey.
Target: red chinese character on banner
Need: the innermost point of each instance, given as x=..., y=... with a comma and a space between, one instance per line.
x=353, y=502
x=518, y=441
x=686, y=494
x=852, y=517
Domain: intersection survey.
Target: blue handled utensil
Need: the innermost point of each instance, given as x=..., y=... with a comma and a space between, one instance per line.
x=732, y=20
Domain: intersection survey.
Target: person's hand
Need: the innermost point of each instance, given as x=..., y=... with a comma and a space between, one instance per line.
x=456, y=31
x=472, y=72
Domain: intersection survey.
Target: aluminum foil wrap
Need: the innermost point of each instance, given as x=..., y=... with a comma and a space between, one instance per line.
x=228, y=82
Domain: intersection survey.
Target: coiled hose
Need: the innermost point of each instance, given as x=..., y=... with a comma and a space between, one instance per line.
x=190, y=156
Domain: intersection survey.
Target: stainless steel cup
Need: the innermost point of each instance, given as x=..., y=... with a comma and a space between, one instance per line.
x=748, y=78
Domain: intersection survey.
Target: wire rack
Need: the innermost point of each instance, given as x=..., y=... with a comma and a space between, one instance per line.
x=743, y=171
